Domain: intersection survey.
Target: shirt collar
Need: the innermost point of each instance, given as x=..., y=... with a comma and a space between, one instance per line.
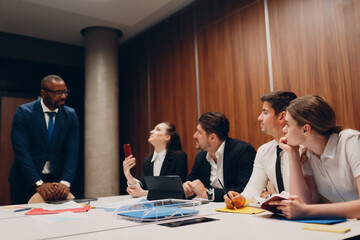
x=330, y=148
x=219, y=152
x=160, y=154
x=45, y=108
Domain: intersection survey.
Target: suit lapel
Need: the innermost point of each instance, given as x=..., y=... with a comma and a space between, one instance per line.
x=165, y=166
x=226, y=162
x=40, y=119
x=151, y=168
x=148, y=166
x=207, y=173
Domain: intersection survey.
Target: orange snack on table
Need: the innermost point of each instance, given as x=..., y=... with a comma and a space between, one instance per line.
x=239, y=201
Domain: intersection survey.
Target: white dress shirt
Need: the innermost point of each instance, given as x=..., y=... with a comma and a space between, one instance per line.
x=264, y=170
x=158, y=160
x=338, y=167
x=47, y=166
x=217, y=170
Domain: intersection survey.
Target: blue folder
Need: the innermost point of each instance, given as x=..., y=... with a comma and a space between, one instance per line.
x=319, y=221
x=158, y=212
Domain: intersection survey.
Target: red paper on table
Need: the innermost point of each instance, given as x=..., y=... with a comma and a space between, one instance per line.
x=40, y=211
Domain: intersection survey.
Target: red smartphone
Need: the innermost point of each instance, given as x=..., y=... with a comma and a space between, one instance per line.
x=127, y=150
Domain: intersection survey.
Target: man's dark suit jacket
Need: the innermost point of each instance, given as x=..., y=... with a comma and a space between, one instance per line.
x=174, y=164
x=32, y=149
x=237, y=166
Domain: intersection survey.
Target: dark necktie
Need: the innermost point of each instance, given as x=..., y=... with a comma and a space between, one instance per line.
x=50, y=125
x=279, y=178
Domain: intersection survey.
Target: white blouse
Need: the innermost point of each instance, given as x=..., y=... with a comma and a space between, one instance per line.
x=336, y=171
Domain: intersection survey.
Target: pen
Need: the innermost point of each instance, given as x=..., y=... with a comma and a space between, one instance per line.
x=23, y=209
x=226, y=193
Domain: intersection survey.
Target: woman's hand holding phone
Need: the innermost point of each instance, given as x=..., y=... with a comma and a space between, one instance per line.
x=127, y=150
x=129, y=161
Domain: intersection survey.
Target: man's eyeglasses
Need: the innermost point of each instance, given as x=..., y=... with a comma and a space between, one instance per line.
x=58, y=92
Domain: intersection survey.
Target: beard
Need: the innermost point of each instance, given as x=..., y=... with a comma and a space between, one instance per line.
x=197, y=145
x=203, y=147
x=59, y=104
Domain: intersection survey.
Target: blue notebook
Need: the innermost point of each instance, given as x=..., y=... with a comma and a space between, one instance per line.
x=158, y=212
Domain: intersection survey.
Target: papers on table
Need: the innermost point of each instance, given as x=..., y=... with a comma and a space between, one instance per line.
x=60, y=217
x=66, y=205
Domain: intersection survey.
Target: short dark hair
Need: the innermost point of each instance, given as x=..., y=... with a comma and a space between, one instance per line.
x=279, y=100
x=215, y=122
x=174, y=144
x=48, y=79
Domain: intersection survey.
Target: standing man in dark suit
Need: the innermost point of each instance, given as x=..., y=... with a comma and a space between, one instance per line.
x=45, y=139
x=229, y=160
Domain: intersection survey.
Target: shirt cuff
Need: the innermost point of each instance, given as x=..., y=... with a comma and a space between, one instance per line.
x=38, y=183
x=66, y=183
x=211, y=192
x=138, y=183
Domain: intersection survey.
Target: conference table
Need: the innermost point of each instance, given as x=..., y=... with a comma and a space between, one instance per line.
x=98, y=223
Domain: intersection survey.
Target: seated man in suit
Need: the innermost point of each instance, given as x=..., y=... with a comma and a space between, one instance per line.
x=271, y=164
x=229, y=160
x=45, y=139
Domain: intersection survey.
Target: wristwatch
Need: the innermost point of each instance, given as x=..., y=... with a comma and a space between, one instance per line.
x=38, y=183
x=210, y=193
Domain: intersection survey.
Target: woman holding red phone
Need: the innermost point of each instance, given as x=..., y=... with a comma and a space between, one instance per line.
x=167, y=159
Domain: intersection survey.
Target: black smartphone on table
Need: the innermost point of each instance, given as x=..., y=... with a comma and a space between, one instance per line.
x=188, y=222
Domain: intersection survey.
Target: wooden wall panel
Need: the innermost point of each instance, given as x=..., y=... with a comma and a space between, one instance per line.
x=315, y=50
x=134, y=122
x=233, y=70
x=173, y=90
x=209, y=11
x=172, y=77
x=8, y=108
x=177, y=27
